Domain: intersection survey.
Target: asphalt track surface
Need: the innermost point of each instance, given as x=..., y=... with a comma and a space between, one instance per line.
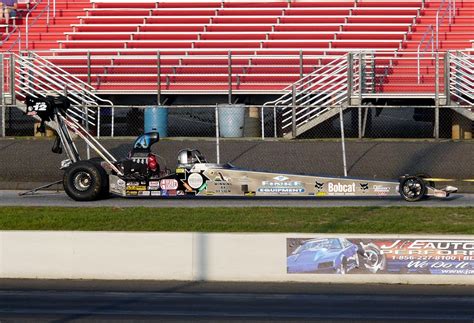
x=68, y=301
x=60, y=199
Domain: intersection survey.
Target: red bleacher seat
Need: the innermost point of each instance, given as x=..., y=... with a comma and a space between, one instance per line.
x=195, y=37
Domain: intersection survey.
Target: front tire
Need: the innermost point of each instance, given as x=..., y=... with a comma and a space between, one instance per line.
x=85, y=181
x=413, y=189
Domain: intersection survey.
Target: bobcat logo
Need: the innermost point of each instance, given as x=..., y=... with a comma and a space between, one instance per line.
x=364, y=187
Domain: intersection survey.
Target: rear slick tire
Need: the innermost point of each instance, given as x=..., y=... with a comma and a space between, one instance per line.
x=85, y=181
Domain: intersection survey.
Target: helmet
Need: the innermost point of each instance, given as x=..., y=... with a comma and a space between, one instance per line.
x=190, y=156
x=184, y=157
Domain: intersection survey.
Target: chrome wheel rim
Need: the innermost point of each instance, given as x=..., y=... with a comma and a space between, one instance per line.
x=82, y=181
x=412, y=188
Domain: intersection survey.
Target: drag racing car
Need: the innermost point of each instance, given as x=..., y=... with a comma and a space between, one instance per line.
x=142, y=175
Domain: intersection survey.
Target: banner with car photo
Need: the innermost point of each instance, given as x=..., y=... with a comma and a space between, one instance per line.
x=336, y=255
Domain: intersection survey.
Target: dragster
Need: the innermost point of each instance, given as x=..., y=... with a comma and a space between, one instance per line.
x=141, y=175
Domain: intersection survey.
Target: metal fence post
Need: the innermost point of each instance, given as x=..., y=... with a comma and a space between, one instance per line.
x=293, y=111
x=229, y=62
x=218, y=153
x=436, y=122
x=343, y=141
x=98, y=122
x=262, y=120
x=112, y=122
x=158, y=66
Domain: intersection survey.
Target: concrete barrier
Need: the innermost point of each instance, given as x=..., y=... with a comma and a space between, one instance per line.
x=179, y=256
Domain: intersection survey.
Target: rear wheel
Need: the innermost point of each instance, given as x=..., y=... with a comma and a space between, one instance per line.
x=413, y=189
x=85, y=181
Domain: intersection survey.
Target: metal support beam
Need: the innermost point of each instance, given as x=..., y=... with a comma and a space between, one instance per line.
x=359, y=121
x=350, y=76
x=229, y=62
x=301, y=64
x=436, y=121
x=12, y=80
x=158, y=72
x=293, y=111
x=447, y=91
x=89, y=67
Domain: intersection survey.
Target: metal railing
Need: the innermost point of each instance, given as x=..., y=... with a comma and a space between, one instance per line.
x=37, y=77
x=313, y=94
x=27, y=23
x=461, y=77
x=431, y=35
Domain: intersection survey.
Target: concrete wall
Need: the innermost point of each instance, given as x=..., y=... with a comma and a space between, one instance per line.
x=173, y=256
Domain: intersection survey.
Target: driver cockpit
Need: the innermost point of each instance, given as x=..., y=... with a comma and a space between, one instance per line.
x=189, y=157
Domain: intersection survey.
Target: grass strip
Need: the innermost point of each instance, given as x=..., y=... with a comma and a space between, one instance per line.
x=261, y=219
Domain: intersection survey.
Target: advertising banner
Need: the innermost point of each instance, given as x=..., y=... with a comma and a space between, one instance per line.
x=380, y=256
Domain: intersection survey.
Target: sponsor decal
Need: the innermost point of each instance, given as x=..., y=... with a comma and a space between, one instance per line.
x=339, y=255
x=133, y=184
x=280, y=190
x=131, y=193
x=179, y=193
x=153, y=185
x=319, y=186
x=221, y=178
x=120, y=183
x=144, y=193
x=168, y=184
x=195, y=180
x=187, y=187
x=136, y=188
x=221, y=187
x=156, y=193
x=180, y=170
x=281, y=187
x=341, y=189
x=381, y=190
x=281, y=184
x=364, y=186
x=281, y=178
x=172, y=193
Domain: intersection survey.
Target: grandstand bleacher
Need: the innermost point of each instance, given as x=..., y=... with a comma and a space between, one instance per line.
x=272, y=43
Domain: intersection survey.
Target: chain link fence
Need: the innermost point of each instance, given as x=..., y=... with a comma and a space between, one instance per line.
x=241, y=121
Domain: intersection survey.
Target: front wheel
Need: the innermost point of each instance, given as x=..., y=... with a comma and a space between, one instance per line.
x=413, y=189
x=85, y=181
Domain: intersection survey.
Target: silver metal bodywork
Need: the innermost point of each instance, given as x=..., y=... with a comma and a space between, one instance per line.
x=204, y=179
